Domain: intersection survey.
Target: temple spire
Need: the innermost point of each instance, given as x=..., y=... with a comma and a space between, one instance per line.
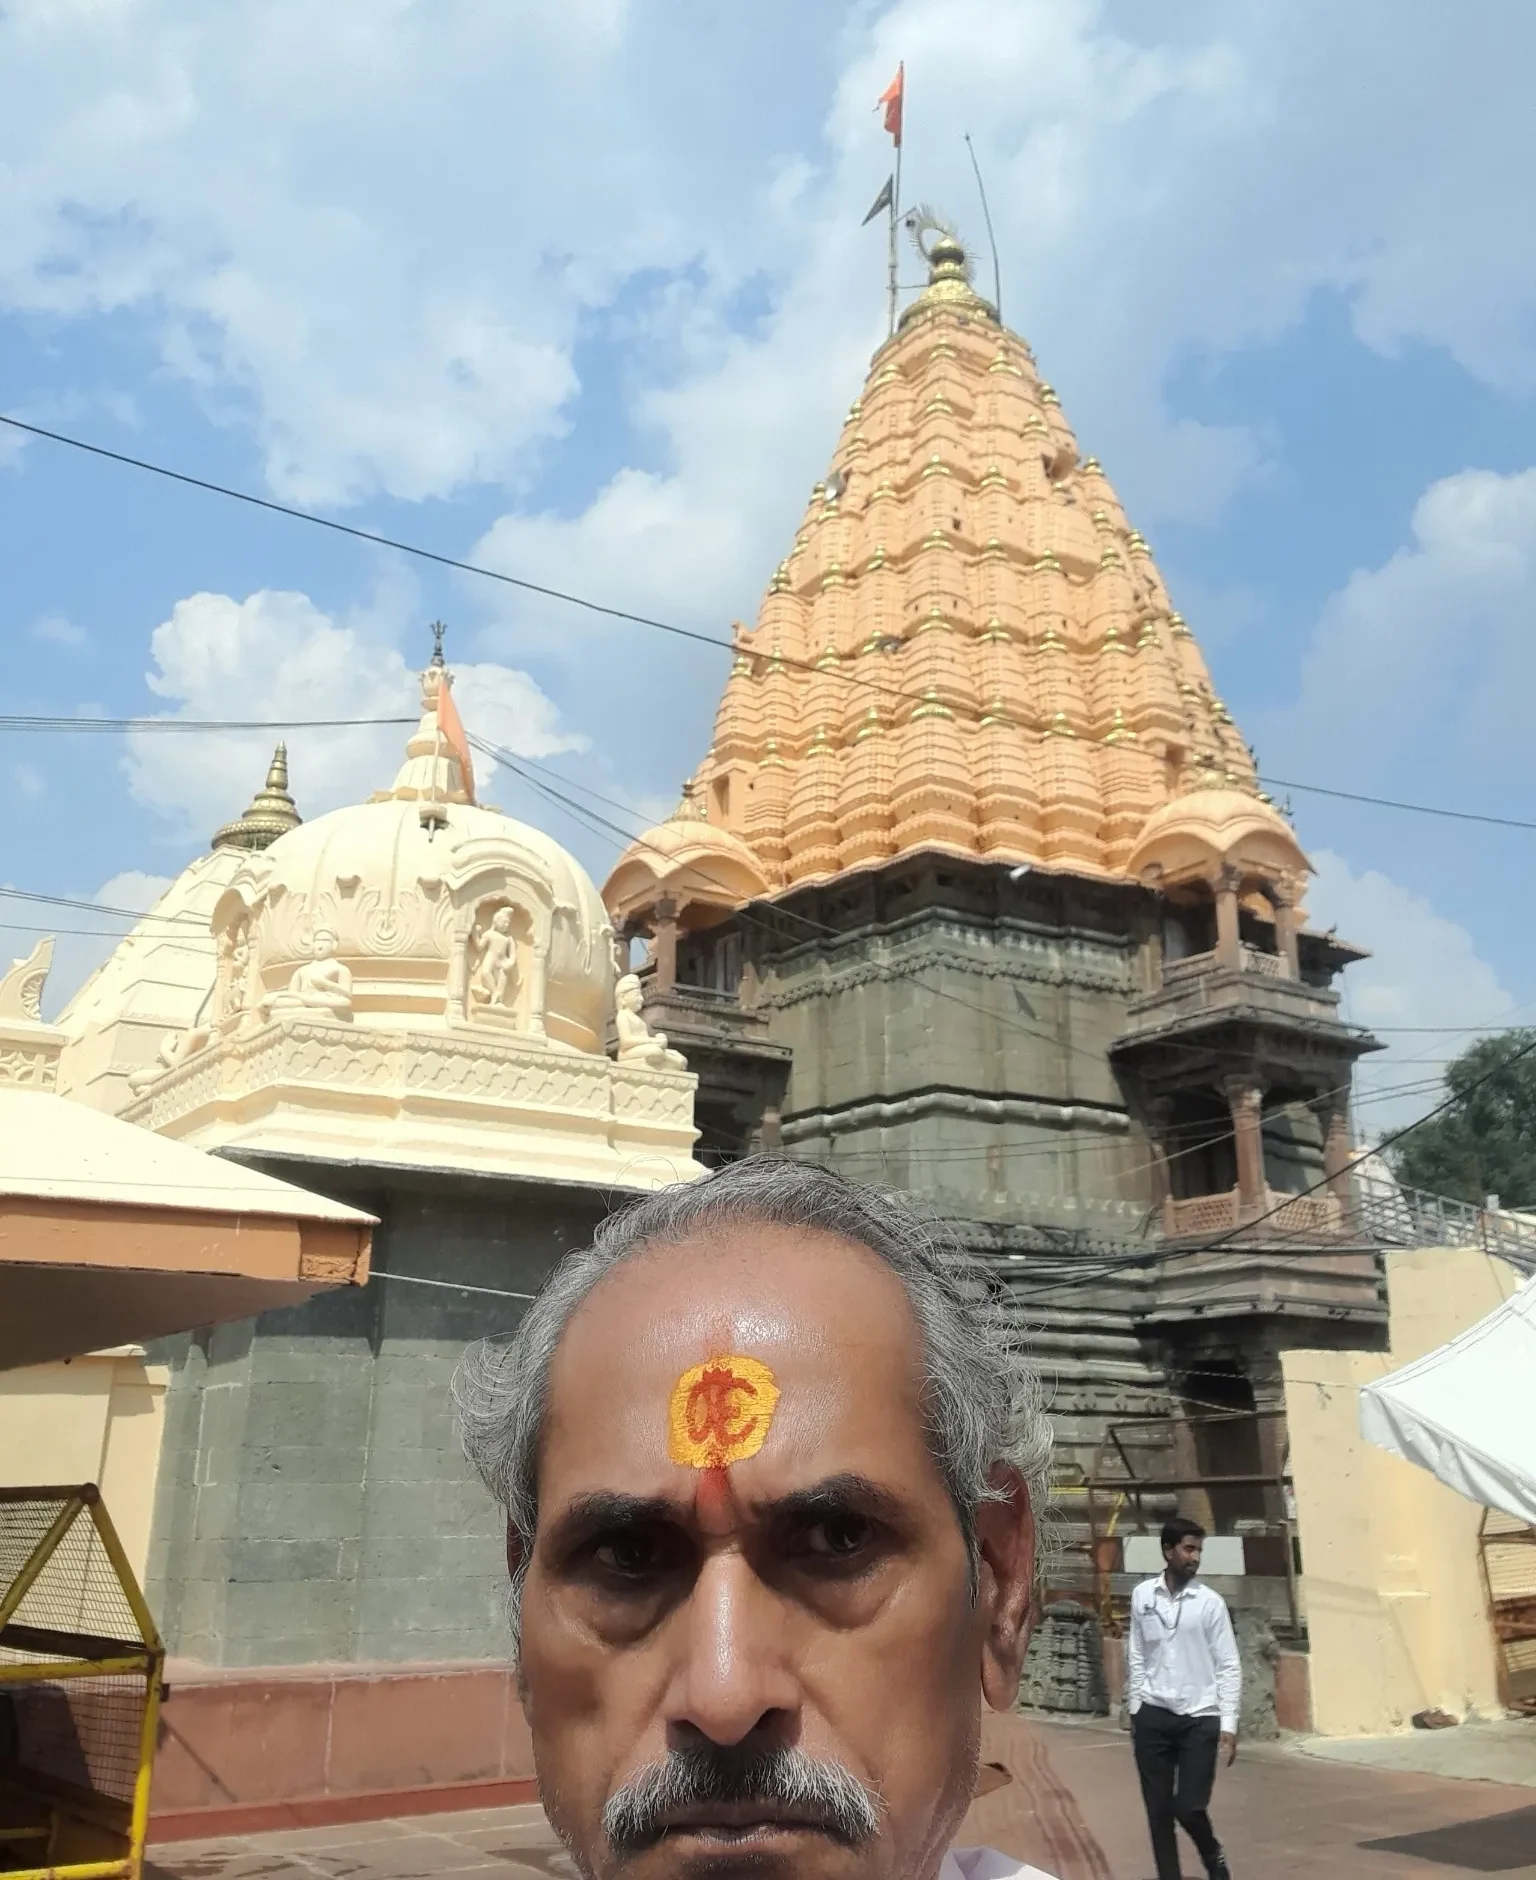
x=272, y=812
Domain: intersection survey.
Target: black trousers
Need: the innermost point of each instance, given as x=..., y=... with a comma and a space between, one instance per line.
x=1176, y=1760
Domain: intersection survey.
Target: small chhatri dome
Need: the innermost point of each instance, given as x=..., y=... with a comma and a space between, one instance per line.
x=272, y=813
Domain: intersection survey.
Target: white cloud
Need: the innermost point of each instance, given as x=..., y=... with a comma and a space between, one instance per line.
x=382, y=226
x=56, y=630
x=1425, y=986
x=276, y=656
x=1438, y=639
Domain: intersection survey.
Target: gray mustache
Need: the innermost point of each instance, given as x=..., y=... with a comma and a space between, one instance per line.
x=824, y=1794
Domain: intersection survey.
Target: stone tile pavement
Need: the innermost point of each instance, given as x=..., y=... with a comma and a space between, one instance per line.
x=1062, y=1796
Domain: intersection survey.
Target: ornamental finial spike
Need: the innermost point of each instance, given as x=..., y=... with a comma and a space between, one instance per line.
x=438, y=629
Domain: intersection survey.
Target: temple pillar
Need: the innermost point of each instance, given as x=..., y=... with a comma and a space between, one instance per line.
x=664, y=945
x=1229, y=946
x=1245, y=1095
x=1332, y=1111
x=1285, y=934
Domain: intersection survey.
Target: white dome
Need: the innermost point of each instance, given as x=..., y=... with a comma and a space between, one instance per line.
x=404, y=897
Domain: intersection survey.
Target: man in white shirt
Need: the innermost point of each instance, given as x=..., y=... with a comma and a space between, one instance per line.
x=1183, y=1687
x=770, y=1455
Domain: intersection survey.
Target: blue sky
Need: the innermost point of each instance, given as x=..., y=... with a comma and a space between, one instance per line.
x=583, y=292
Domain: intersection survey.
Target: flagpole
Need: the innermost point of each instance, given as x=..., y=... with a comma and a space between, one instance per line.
x=890, y=279
x=890, y=289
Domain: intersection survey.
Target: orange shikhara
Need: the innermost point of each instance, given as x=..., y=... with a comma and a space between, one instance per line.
x=967, y=648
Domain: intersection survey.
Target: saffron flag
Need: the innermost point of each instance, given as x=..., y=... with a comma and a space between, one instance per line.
x=883, y=201
x=892, y=98
x=451, y=729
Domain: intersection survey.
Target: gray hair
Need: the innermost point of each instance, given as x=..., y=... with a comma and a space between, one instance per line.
x=983, y=1402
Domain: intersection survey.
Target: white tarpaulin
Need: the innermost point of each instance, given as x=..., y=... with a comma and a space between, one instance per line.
x=1467, y=1412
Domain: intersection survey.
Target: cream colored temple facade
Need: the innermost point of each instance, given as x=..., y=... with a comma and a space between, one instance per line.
x=409, y=1006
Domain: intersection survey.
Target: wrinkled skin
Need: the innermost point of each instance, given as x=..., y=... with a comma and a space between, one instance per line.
x=667, y=1606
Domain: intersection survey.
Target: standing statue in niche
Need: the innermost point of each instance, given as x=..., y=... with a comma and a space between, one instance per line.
x=638, y=1044
x=321, y=984
x=493, y=968
x=235, y=947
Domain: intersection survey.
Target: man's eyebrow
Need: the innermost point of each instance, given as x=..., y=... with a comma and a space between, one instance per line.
x=847, y=1493
x=607, y=1509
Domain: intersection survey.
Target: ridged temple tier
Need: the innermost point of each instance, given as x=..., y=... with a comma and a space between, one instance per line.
x=967, y=648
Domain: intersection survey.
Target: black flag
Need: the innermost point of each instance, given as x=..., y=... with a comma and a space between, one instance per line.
x=883, y=201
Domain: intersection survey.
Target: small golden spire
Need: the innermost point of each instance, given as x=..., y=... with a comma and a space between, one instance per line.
x=932, y=707
x=272, y=813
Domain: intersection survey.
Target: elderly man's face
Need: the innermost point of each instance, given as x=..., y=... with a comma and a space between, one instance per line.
x=727, y=1585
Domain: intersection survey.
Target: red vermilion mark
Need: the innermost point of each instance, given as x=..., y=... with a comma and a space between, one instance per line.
x=720, y=1412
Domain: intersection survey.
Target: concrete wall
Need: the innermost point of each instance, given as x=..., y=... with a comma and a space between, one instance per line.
x=313, y=1504
x=93, y=1419
x=1396, y=1610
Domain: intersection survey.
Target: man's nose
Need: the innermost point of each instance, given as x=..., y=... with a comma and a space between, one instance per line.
x=734, y=1676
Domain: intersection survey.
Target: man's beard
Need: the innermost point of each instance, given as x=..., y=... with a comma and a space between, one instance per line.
x=822, y=1795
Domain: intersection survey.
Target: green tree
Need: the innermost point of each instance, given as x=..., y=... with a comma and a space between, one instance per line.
x=1484, y=1143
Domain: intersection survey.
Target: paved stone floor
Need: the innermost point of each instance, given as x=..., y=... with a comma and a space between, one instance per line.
x=1061, y=1796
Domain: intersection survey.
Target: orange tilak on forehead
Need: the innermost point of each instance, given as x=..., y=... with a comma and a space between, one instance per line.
x=720, y=1412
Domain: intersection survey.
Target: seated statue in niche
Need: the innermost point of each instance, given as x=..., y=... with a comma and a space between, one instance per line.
x=175, y=1048
x=638, y=1044
x=494, y=975
x=321, y=984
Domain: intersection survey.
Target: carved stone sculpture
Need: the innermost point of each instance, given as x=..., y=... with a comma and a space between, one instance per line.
x=638, y=1044
x=175, y=1048
x=494, y=974
x=321, y=984
x=21, y=989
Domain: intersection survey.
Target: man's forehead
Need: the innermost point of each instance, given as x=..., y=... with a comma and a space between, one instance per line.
x=820, y=1324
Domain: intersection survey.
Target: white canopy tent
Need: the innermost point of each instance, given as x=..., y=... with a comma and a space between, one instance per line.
x=1467, y=1411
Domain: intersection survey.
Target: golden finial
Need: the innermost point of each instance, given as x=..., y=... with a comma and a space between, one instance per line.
x=996, y=713
x=936, y=467
x=741, y=667
x=1048, y=394
x=1179, y=628
x=932, y=706
x=877, y=560
x=770, y=759
x=1119, y=731
x=1092, y=467
x=819, y=742
x=1112, y=641
x=833, y=578
x=780, y=579
x=691, y=807
x=995, y=630
x=829, y=659
x=871, y=726
x=272, y=813
x=1059, y=728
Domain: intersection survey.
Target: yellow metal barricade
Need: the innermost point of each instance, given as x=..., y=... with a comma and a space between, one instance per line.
x=80, y=1684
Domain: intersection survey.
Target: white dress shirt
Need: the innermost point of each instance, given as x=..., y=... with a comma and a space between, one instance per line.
x=985, y=1863
x=1182, y=1655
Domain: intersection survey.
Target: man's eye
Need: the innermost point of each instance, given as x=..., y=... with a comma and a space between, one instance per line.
x=839, y=1537
x=630, y=1556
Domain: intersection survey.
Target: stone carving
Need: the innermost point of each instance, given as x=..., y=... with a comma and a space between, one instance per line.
x=638, y=1044
x=233, y=970
x=38, y=1068
x=175, y=1048
x=494, y=976
x=321, y=984
x=21, y=989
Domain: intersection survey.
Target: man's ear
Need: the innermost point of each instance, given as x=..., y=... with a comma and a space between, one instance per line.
x=1005, y=1534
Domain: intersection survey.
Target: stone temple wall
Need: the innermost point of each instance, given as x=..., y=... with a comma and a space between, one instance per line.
x=313, y=1505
